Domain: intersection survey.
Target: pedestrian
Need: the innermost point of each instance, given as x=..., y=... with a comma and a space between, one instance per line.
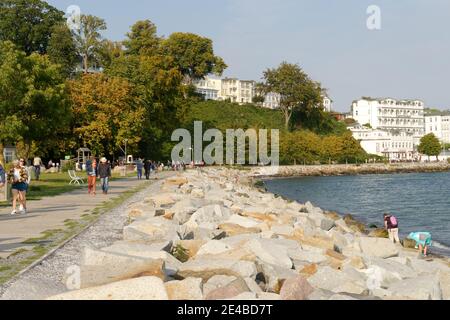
x=91, y=170
x=2, y=175
x=391, y=225
x=104, y=172
x=37, y=163
x=18, y=177
x=423, y=242
x=139, y=167
x=50, y=164
x=147, y=169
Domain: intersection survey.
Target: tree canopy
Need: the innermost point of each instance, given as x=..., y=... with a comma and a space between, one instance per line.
x=430, y=145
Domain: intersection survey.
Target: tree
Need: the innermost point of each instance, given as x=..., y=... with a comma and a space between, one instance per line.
x=430, y=146
x=295, y=88
x=88, y=39
x=142, y=39
x=32, y=97
x=105, y=113
x=109, y=51
x=193, y=55
x=62, y=49
x=28, y=24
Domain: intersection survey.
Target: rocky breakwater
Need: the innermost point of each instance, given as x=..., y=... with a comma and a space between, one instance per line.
x=210, y=235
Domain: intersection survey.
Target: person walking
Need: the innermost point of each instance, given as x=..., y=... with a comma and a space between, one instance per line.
x=37, y=163
x=391, y=225
x=148, y=169
x=18, y=177
x=104, y=172
x=139, y=167
x=91, y=170
x=2, y=175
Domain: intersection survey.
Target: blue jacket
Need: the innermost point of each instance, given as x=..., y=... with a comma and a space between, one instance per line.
x=2, y=174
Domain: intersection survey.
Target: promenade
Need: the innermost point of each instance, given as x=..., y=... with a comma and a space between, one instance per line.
x=52, y=213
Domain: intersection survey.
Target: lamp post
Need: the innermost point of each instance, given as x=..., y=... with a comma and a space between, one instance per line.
x=126, y=158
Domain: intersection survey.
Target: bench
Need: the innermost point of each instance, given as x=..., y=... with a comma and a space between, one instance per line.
x=74, y=178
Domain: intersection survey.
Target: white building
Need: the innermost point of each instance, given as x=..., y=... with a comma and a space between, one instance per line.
x=210, y=88
x=327, y=103
x=272, y=101
x=391, y=115
x=439, y=125
x=396, y=147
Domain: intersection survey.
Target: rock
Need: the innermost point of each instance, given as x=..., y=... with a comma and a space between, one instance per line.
x=244, y=296
x=271, y=252
x=307, y=256
x=409, y=243
x=336, y=281
x=420, y=288
x=152, y=230
x=444, y=280
x=296, y=288
x=357, y=262
x=354, y=224
x=379, y=233
x=332, y=215
x=138, y=249
x=274, y=276
x=176, y=181
x=213, y=247
x=198, y=193
x=192, y=246
x=340, y=241
x=268, y=296
x=234, y=229
x=252, y=285
x=160, y=200
x=389, y=271
x=100, y=267
x=187, y=289
x=321, y=294
x=207, y=268
x=309, y=270
x=341, y=297
x=343, y=226
x=265, y=217
x=144, y=288
x=378, y=247
x=283, y=230
x=209, y=217
x=242, y=221
x=327, y=224
x=216, y=282
x=318, y=242
x=233, y=289
x=148, y=252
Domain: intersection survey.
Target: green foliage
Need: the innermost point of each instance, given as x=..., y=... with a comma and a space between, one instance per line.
x=192, y=55
x=297, y=91
x=62, y=49
x=28, y=24
x=142, y=39
x=88, y=40
x=180, y=253
x=430, y=145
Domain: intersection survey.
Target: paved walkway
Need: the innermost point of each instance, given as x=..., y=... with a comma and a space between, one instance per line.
x=49, y=213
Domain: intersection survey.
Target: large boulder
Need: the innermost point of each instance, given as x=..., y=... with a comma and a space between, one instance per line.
x=100, y=267
x=378, y=247
x=206, y=268
x=420, y=288
x=233, y=289
x=389, y=271
x=144, y=288
x=160, y=200
x=336, y=281
x=243, y=221
x=216, y=282
x=187, y=289
x=274, y=276
x=270, y=251
x=327, y=224
x=296, y=288
x=151, y=230
x=214, y=247
x=209, y=217
x=232, y=229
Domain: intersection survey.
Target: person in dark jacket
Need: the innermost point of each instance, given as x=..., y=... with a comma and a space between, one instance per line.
x=104, y=172
x=147, y=169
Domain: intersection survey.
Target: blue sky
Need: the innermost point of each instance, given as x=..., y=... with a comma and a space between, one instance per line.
x=408, y=58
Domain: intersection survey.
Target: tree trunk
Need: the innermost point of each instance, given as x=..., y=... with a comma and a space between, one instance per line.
x=85, y=63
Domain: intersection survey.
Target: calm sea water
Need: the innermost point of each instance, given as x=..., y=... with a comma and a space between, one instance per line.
x=421, y=202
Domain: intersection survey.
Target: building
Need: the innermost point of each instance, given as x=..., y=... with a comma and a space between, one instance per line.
x=395, y=147
x=439, y=125
x=391, y=115
x=272, y=101
x=9, y=153
x=327, y=104
x=210, y=88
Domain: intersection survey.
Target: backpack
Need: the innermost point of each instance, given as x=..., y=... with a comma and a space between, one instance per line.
x=393, y=221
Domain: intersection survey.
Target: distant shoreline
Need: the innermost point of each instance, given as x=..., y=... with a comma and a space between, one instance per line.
x=350, y=169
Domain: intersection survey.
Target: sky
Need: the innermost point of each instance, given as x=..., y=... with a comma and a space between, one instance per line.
x=407, y=58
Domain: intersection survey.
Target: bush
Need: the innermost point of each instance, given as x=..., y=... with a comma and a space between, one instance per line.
x=68, y=165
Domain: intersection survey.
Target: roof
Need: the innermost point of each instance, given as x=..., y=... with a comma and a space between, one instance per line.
x=83, y=150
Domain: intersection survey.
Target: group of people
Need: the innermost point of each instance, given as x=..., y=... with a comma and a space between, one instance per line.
x=146, y=168
x=423, y=239
x=94, y=171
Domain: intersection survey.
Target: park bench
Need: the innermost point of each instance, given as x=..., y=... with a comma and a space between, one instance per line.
x=74, y=178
